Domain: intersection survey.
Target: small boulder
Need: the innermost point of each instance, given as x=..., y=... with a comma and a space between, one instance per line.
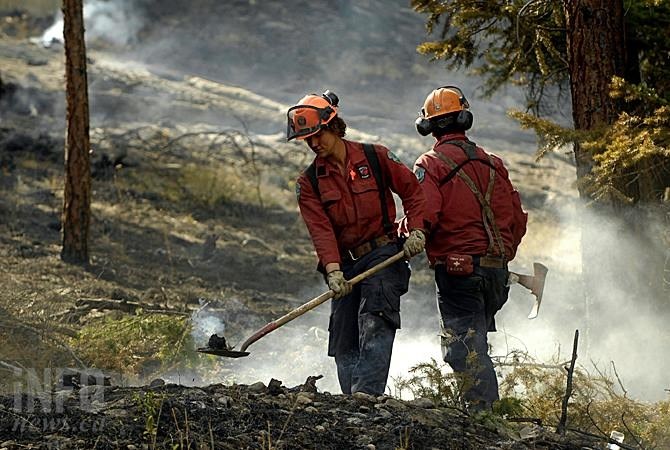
x=258, y=387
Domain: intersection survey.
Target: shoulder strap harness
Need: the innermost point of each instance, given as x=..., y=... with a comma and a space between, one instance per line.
x=488, y=218
x=373, y=159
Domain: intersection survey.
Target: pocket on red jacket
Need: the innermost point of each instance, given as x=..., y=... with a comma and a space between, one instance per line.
x=334, y=207
x=366, y=198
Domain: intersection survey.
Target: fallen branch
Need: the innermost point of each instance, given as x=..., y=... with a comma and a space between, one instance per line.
x=533, y=365
x=84, y=306
x=535, y=420
x=11, y=367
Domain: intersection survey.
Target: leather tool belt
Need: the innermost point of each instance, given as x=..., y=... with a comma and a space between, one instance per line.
x=495, y=262
x=365, y=248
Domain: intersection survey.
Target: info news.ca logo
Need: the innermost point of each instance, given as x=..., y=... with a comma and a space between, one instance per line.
x=58, y=399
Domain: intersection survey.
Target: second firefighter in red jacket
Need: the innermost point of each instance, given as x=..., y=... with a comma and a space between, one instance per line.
x=345, y=198
x=476, y=225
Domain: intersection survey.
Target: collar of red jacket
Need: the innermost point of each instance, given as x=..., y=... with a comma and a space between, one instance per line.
x=355, y=157
x=457, y=136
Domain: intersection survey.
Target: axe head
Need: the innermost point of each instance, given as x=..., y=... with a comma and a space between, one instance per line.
x=534, y=283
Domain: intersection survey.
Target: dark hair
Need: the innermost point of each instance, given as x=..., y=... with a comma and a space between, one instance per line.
x=337, y=126
x=447, y=124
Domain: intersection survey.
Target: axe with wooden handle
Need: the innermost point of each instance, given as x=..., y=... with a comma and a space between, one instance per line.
x=534, y=283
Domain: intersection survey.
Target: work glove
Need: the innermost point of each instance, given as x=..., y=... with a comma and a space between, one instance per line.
x=338, y=284
x=414, y=243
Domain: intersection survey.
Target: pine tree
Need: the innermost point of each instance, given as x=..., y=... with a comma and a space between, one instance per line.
x=77, y=193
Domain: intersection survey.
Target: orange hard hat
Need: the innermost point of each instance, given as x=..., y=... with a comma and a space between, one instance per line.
x=310, y=114
x=444, y=100
x=445, y=107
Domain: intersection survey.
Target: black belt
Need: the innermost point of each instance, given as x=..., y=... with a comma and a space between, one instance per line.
x=365, y=248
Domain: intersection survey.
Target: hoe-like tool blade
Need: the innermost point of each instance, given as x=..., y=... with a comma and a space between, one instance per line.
x=223, y=352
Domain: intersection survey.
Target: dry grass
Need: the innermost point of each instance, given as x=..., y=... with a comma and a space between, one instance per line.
x=536, y=390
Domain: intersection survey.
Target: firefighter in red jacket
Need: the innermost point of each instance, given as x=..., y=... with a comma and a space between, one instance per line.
x=345, y=198
x=476, y=224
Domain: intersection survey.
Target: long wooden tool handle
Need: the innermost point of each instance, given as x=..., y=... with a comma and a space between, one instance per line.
x=300, y=310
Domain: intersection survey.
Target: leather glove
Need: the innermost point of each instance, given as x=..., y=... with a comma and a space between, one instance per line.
x=338, y=284
x=414, y=243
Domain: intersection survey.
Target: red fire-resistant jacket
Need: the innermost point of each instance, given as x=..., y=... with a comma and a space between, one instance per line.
x=453, y=211
x=348, y=212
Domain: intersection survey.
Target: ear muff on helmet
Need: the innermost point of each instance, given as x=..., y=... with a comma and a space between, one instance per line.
x=423, y=126
x=332, y=98
x=464, y=120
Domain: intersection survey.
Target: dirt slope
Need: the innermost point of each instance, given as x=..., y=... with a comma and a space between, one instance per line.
x=193, y=210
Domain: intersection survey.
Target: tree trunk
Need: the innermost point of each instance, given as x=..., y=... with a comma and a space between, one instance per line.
x=77, y=194
x=595, y=45
x=596, y=53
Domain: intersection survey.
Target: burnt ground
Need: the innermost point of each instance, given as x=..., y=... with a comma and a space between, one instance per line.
x=257, y=417
x=193, y=211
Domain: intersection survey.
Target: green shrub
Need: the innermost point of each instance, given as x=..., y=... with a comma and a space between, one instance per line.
x=125, y=345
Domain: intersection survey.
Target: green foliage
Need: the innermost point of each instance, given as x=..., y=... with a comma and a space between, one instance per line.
x=647, y=25
x=524, y=42
x=505, y=41
x=508, y=407
x=636, y=145
x=150, y=405
x=126, y=344
x=431, y=380
x=551, y=135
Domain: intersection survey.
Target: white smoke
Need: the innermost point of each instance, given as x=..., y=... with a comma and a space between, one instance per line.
x=205, y=324
x=114, y=22
x=620, y=329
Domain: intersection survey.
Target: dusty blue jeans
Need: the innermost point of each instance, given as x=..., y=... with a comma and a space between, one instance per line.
x=363, y=324
x=467, y=306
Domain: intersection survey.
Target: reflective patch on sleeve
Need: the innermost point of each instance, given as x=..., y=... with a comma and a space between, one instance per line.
x=393, y=157
x=420, y=173
x=297, y=191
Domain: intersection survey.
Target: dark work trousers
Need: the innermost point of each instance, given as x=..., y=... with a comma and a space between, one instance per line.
x=467, y=306
x=363, y=324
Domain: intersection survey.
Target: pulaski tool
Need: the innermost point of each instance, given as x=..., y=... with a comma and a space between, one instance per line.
x=534, y=283
x=217, y=345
